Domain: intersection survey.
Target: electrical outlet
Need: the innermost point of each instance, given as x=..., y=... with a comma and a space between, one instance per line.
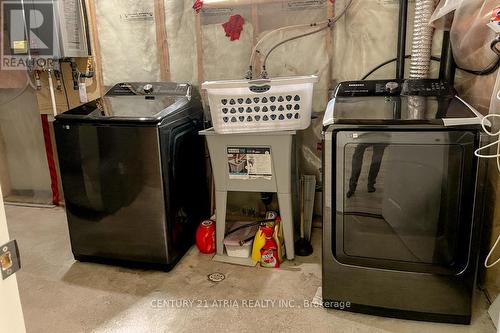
x=10, y=262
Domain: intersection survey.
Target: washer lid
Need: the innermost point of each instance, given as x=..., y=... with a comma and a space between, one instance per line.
x=126, y=108
x=135, y=107
x=134, y=101
x=443, y=110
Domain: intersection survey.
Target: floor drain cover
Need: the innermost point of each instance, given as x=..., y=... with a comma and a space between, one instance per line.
x=216, y=277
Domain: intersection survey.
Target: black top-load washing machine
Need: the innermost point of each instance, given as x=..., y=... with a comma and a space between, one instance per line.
x=402, y=200
x=133, y=174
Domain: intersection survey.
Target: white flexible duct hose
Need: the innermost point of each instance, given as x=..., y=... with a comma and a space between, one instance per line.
x=421, y=52
x=422, y=40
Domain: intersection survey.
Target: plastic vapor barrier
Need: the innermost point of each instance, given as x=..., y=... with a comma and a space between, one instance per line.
x=363, y=38
x=128, y=40
x=471, y=40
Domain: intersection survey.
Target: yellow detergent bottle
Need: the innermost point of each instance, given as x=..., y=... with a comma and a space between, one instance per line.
x=258, y=243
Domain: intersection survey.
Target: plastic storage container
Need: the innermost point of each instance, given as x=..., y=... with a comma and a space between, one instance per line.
x=247, y=106
x=235, y=243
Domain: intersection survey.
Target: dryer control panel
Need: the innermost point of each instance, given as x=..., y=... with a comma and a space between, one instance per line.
x=421, y=87
x=369, y=88
x=427, y=87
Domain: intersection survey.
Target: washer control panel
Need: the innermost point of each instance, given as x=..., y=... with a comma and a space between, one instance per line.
x=150, y=88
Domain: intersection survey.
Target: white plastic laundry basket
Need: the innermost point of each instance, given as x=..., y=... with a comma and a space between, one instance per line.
x=243, y=106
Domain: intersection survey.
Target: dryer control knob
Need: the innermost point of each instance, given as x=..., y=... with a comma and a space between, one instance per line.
x=391, y=86
x=148, y=88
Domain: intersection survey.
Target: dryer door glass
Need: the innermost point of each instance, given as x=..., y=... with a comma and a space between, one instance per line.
x=403, y=199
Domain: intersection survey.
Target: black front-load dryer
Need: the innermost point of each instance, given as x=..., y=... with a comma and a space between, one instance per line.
x=133, y=175
x=402, y=200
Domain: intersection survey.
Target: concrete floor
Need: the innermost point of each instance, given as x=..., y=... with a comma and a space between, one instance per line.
x=61, y=295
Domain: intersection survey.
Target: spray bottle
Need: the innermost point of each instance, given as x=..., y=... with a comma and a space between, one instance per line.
x=269, y=256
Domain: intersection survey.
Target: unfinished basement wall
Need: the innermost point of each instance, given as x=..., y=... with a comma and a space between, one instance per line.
x=365, y=37
x=181, y=40
x=24, y=173
x=127, y=38
x=126, y=35
x=129, y=52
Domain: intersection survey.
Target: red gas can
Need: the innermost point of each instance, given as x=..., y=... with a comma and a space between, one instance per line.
x=205, y=237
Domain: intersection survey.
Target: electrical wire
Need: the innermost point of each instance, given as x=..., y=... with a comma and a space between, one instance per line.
x=496, y=143
x=491, y=68
x=493, y=45
x=490, y=253
x=486, y=71
x=479, y=153
x=373, y=70
x=330, y=24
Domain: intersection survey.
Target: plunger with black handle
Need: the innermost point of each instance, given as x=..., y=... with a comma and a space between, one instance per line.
x=303, y=247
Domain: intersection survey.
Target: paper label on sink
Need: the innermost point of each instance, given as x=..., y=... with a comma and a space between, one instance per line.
x=249, y=163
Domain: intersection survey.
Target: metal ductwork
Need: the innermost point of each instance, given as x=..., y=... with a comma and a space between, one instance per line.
x=421, y=51
x=422, y=40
